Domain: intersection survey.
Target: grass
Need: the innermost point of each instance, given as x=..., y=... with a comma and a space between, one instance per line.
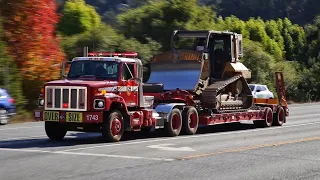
x=22, y=117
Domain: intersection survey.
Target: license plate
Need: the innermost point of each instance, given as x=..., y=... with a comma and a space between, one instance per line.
x=74, y=117
x=50, y=116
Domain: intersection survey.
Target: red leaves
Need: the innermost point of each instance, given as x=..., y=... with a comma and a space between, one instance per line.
x=30, y=27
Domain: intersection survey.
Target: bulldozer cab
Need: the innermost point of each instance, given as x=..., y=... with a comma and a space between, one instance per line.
x=220, y=53
x=220, y=47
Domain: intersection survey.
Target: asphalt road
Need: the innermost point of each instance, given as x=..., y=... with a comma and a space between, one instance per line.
x=217, y=152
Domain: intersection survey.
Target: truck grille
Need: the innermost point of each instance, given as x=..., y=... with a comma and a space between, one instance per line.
x=66, y=98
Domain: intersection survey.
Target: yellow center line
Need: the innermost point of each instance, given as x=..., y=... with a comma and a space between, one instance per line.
x=246, y=148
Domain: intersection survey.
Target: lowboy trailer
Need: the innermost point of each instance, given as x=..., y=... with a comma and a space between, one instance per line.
x=204, y=84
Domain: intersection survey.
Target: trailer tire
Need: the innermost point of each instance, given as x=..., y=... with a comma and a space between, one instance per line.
x=113, y=127
x=268, y=120
x=190, y=120
x=279, y=117
x=174, y=124
x=54, y=130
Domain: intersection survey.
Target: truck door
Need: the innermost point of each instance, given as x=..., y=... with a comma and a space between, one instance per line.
x=129, y=89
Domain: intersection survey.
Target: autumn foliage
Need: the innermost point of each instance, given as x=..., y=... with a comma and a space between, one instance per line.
x=30, y=27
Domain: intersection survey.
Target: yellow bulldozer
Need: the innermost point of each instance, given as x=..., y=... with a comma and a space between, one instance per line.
x=207, y=64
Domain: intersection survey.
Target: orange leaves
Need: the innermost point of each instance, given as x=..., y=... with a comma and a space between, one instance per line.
x=30, y=27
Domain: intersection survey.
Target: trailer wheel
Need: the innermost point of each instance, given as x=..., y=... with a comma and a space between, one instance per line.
x=279, y=117
x=268, y=120
x=113, y=127
x=54, y=130
x=190, y=120
x=174, y=124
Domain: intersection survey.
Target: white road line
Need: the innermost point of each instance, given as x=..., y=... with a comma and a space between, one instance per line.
x=20, y=128
x=24, y=150
x=189, y=137
x=85, y=154
x=115, y=156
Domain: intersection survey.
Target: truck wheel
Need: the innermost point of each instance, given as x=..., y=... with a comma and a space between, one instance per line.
x=55, y=131
x=267, y=122
x=113, y=127
x=190, y=120
x=174, y=124
x=279, y=117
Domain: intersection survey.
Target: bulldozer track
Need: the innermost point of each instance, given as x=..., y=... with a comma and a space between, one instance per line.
x=209, y=96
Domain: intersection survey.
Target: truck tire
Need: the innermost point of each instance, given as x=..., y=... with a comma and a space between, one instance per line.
x=190, y=120
x=174, y=124
x=55, y=131
x=279, y=117
x=113, y=127
x=267, y=121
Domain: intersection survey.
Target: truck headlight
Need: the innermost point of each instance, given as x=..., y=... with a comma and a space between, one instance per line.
x=99, y=104
x=41, y=102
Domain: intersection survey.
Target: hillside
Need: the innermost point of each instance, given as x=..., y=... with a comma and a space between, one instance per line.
x=299, y=12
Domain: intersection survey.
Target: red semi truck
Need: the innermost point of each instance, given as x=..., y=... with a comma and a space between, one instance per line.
x=202, y=85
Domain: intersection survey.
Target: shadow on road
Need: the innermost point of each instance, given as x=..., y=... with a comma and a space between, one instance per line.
x=75, y=138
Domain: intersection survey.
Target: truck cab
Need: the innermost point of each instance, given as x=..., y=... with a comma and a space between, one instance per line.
x=101, y=91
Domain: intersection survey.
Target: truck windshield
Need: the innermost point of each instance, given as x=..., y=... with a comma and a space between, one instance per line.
x=100, y=69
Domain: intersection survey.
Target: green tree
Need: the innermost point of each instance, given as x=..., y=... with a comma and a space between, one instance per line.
x=158, y=19
x=78, y=17
x=298, y=11
x=256, y=30
x=9, y=75
x=259, y=62
x=105, y=38
x=313, y=41
x=263, y=66
x=309, y=86
x=274, y=32
x=233, y=24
